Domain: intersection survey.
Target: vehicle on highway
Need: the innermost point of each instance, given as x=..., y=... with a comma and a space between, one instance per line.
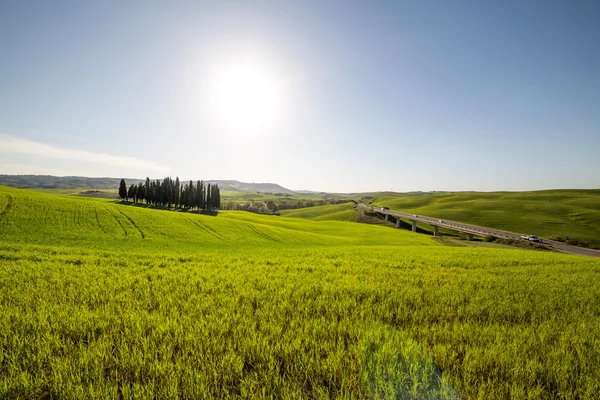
x=441, y=221
x=384, y=208
x=532, y=238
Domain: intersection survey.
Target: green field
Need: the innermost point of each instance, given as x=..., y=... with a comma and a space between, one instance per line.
x=100, y=299
x=330, y=212
x=548, y=213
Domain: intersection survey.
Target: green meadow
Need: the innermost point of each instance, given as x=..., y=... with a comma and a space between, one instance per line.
x=335, y=212
x=101, y=299
x=548, y=213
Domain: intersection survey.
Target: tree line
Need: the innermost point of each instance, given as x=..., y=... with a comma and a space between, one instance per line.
x=172, y=193
x=273, y=206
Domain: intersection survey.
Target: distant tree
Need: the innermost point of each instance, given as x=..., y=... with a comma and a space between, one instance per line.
x=190, y=195
x=184, y=195
x=201, y=195
x=176, y=190
x=148, y=191
x=123, y=189
x=141, y=192
x=216, y=196
x=271, y=205
x=207, y=203
x=131, y=192
x=198, y=195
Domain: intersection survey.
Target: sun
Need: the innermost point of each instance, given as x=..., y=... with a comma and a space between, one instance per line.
x=245, y=97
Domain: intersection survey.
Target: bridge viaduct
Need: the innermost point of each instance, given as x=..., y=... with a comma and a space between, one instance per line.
x=471, y=230
x=434, y=223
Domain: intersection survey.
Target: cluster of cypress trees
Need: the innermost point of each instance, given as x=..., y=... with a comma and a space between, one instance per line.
x=171, y=193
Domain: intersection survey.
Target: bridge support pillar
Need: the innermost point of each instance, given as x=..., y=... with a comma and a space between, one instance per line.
x=397, y=222
x=387, y=217
x=470, y=237
x=436, y=230
x=414, y=226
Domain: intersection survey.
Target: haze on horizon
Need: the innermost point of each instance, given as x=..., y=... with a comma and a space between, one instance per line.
x=336, y=96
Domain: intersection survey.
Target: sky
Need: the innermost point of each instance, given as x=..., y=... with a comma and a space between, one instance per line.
x=336, y=96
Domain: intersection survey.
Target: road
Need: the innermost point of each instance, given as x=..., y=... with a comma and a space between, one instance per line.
x=483, y=231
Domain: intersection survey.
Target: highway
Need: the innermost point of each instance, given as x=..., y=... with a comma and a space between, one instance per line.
x=483, y=231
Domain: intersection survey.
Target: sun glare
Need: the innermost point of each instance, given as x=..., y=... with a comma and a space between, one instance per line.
x=245, y=97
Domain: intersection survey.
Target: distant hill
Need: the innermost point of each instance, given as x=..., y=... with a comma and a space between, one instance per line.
x=80, y=182
x=61, y=182
x=238, y=186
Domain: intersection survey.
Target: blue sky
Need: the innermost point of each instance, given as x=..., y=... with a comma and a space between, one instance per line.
x=340, y=96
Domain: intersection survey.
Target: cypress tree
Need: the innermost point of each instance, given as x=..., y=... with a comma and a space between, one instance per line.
x=184, y=195
x=177, y=198
x=123, y=189
x=166, y=192
x=217, y=196
x=207, y=202
x=148, y=191
x=153, y=193
x=201, y=190
x=131, y=192
x=157, y=193
x=198, y=195
x=190, y=195
x=141, y=192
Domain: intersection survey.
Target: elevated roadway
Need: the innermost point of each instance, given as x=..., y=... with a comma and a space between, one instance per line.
x=473, y=230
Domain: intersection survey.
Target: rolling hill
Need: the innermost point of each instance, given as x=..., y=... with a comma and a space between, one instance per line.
x=329, y=212
x=48, y=218
x=548, y=213
x=105, y=299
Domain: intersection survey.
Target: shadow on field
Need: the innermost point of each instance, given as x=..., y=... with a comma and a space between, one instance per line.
x=408, y=227
x=203, y=212
x=153, y=207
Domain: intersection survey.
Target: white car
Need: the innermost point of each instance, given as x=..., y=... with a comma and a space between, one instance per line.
x=533, y=238
x=441, y=221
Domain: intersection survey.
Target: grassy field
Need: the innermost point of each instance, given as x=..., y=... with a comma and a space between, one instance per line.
x=330, y=212
x=549, y=213
x=49, y=219
x=103, y=300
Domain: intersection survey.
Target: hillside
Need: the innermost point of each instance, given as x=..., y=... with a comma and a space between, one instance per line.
x=47, y=218
x=548, y=213
x=237, y=186
x=330, y=212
